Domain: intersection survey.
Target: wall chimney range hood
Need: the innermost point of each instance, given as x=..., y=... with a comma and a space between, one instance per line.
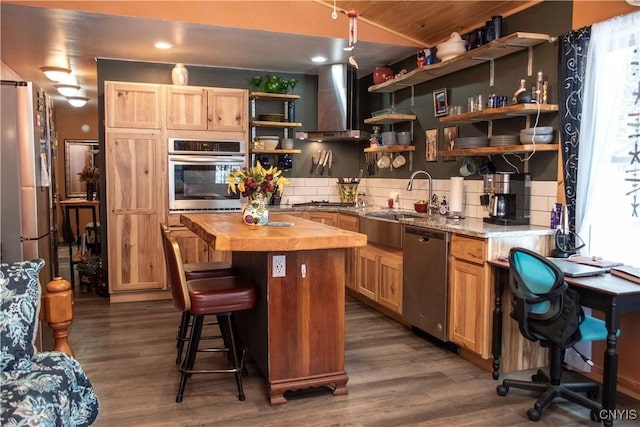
x=337, y=106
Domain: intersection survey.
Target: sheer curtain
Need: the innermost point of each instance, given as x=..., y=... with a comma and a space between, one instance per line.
x=608, y=182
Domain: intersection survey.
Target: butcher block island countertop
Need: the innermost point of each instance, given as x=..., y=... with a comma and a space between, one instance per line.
x=227, y=232
x=295, y=334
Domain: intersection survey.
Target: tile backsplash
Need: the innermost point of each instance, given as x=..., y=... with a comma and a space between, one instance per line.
x=377, y=192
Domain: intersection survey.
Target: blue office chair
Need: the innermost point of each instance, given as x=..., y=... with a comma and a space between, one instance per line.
x=547, y=310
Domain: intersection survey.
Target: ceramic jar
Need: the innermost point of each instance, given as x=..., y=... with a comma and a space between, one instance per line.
x=273, y=84
x=382, y=74
x=256, y=212
x=180, y=75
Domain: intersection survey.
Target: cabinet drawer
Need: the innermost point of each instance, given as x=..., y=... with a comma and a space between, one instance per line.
x=468, y=249
x=348, y=222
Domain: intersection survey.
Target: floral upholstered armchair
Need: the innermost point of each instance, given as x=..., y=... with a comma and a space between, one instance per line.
x=37, y=388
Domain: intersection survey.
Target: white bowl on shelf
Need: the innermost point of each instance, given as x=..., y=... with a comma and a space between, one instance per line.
x=269, y=144
x=537, y=139
x=540, y=130
x=453, y=47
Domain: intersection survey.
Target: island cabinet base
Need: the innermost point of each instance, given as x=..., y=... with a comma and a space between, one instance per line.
x=295, y=334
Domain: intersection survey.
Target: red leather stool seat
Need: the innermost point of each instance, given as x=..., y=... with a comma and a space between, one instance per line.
x=220, y=295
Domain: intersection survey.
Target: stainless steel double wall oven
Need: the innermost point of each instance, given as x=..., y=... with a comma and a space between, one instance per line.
x=198, y=171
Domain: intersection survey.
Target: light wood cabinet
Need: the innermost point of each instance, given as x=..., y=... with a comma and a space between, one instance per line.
x=390, y=289
x=470, y=305
x=379, y=276
x=200, y=108
x=349, y=222
x=328, y=218
x=135, y=180
x=467, y=298
x=139, y=118
x=133, y=105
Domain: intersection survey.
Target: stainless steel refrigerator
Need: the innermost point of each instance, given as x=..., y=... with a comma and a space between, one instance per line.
x=28, y=229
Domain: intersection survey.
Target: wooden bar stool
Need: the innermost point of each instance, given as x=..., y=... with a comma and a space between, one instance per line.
x=220, y=296
x=199, y=270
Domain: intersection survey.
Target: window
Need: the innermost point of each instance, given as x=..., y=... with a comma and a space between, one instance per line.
x=608, y=188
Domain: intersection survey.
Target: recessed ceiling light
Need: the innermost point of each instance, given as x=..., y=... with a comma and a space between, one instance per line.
x=77, y=101
x=319, y=59
x=56, y=74
x=163, y=45
x=67, y=90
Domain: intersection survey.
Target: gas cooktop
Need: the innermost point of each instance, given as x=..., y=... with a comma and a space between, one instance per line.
x=324, y=203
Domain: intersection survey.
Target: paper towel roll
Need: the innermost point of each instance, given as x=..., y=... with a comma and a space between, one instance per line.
x=456, y=189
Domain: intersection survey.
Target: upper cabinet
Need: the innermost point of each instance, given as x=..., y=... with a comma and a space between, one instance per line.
x=498, y=48
x=199, y=108
x=133, y=105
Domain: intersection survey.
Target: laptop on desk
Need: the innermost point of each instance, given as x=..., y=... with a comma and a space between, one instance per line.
x=573, y=269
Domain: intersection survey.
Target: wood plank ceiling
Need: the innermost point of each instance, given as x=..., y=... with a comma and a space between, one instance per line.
x=429, y=22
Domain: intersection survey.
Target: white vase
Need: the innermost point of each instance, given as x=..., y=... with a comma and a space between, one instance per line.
x=256, y=212
x=180, y=75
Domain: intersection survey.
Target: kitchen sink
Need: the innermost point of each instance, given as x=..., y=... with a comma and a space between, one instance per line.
x=384, y=227
x=392, y=216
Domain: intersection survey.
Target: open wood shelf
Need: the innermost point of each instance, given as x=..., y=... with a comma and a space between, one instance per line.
x=273, y=96
x=389, y=119
x=281, y=125
x=275, y=151
x=500, y=113
x=390, y=149
x=485, y=151
x=496, y=49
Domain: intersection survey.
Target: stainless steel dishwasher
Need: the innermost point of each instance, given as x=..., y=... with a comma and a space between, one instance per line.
x=425, y=283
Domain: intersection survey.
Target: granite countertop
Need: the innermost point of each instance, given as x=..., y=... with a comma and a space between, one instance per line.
x=474, y=227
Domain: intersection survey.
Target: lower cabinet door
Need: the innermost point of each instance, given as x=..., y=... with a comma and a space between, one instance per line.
x=390, y=288
x=467, y=321
x=136, y=260
x=367, y=274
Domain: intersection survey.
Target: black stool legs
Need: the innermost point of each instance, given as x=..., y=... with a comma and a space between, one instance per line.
x=235, y=354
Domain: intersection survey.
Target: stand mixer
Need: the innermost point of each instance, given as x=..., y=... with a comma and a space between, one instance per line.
x=507, y=198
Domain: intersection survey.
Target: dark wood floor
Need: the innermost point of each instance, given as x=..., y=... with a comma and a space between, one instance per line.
x=395, y=378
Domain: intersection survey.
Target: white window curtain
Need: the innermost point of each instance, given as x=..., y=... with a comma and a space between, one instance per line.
x=605, y=192
x=608, y=184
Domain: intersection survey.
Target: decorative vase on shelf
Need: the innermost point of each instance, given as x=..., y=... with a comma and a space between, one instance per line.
x=256, y=212
x=90, y=190
x=382, y=74
x=272, y=84
x=180, y=75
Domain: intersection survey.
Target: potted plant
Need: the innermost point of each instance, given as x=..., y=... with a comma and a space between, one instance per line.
x=260, y=186
x=91, y=176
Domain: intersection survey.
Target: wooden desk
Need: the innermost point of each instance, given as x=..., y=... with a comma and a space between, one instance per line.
x=296, y=332
x=77, y=205
x=607, y=293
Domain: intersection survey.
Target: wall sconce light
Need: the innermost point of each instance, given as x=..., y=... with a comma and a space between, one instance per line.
x=67, y=90
x=77, y=101
x=56, y=74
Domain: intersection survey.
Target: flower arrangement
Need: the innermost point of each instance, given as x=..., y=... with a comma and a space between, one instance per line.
x=258, y=181
x=89, y=175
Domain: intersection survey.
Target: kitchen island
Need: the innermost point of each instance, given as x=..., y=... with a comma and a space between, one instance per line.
x=295, y=334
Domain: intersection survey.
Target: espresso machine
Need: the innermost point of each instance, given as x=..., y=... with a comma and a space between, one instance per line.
x=507, y=198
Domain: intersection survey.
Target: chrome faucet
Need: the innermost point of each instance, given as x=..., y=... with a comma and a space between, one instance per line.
x=432, y=207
